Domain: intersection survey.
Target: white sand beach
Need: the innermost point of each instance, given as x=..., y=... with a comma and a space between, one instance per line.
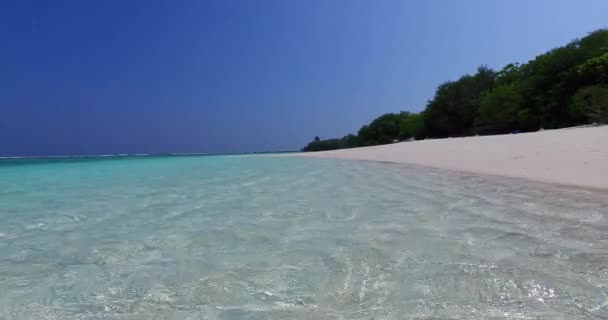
x=570, y=156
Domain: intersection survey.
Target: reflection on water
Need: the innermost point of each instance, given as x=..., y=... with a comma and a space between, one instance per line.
x=283, y=238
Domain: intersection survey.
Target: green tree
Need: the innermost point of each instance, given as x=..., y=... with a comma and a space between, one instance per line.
x=382, y=130
x=349, y=141
x=404, y=132
x=593, y=102
x=499, y=110
x=411, y=126
x=595, y=70
x=549, y=81
x=510, y=74
x=453, y=109
x=565, y=86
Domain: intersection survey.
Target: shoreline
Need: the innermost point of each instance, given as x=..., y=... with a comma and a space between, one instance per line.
x=575, y=156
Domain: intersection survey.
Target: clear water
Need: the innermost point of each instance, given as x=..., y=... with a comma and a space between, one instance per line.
x=235, y=237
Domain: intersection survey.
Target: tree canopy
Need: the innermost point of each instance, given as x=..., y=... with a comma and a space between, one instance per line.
x=563, y=87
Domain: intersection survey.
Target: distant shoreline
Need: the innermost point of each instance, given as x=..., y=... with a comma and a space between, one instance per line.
x=570, y=156
x=103, y=156
x=136, y=155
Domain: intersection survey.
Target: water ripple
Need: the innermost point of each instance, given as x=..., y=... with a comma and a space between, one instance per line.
x=282, y=238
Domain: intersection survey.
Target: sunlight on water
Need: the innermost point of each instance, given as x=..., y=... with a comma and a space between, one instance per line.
x=236, y=237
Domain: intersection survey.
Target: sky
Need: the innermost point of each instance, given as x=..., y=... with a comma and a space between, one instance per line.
x=113, y=76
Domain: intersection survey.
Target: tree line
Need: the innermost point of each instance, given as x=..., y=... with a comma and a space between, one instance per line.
x=564, y=87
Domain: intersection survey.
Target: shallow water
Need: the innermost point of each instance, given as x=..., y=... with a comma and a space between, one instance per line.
x=237, y=237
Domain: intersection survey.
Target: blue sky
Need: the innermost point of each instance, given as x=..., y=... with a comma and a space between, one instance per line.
x=98, y=77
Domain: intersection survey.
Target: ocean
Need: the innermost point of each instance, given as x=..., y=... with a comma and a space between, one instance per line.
x=262, y=237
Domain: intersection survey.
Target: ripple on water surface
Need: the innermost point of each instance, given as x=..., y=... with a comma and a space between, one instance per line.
x=232, y=237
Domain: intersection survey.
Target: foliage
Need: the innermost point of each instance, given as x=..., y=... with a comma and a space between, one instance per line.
x=499, y=110
x=595, y=70
x=593, y=102
x=382, y=130
x=348, y=141
x=563, y=87
x=453, y=110
x=412, y=126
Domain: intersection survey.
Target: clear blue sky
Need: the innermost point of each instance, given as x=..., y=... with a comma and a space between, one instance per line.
x=114, y=76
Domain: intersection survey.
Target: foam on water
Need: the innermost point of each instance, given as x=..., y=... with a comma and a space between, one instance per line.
x=234, y=237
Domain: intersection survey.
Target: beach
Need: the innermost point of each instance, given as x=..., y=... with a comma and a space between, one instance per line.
x=570, y=156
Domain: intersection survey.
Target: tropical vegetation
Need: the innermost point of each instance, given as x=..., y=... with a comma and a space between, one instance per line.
x=566, y=86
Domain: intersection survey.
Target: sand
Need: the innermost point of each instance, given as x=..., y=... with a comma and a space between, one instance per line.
x=571, y=156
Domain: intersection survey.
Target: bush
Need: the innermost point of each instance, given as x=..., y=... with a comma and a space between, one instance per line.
x=593, y=102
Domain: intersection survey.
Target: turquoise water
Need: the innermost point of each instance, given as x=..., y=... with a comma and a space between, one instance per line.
x=246, y=237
